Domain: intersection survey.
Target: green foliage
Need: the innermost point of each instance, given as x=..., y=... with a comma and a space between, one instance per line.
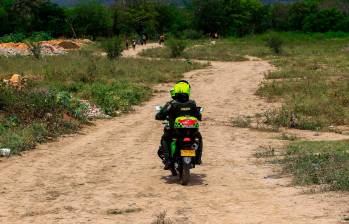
x=242, y=122
x=21, y=37
x=312, y=81
x=274, y=42
x=298, y=12
x=35, y=49
x=323, y=20
x=116, y=96
x=72, y=105
x=39, y=36
x=29, y=105
x=230, y=17
x=153, y=18
x=176, y=47
x=90, y=19
x=191, y=34
x=319, y=163
x=16, y=37
x=113, y=47
x=49, y=104
x=234, y=49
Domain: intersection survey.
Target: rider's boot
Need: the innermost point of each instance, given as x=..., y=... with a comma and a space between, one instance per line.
x=167, y=164
x=167, y=161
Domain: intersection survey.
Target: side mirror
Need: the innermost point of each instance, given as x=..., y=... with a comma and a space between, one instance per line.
x=158, y=108
x=201, y=110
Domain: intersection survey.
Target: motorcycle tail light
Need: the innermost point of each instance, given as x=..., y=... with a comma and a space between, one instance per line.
x=187, y=140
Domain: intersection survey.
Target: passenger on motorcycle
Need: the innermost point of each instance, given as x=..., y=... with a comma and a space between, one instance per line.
x=180, y=105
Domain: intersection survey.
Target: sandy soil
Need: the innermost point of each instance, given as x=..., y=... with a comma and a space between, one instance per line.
x=113, y=168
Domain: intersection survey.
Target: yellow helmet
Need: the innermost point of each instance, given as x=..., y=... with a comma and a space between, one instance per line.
x=182, y=87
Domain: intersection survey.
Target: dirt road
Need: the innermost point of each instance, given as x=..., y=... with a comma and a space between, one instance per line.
x=112, y=168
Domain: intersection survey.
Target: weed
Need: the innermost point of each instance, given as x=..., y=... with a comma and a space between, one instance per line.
x=312, y=81
x=265, y=152
x=325, y=163
x=35, y=49
x=288, y=137
x=176, y=47
x=275, y=42
x=161, y=218
x=113, y=47
x=242, y=122
x=123, y=211
x=55, y=85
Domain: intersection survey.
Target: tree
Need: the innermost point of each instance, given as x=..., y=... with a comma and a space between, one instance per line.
x=49, y=17
x=323, y=21
x=298, y=12
x=209, y=15
x=24, y=14
x=280, y=14
x=90, y=19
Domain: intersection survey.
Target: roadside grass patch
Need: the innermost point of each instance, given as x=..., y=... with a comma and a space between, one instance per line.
x=113, y=47
x=288, y=137
x=241, y=122
x=162, y=218
x=48, y=105
x=233, y=49
x=275, y=43
x=176, y=47
x=312, y=81
x=322, y=163
x=265, y=152
x=123, y=211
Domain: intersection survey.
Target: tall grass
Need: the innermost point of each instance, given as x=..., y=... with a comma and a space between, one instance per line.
x=49, y=105
x=325, y=163
x=313, y=80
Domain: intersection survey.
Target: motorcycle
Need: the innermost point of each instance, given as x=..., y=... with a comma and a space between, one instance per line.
x=185, y=146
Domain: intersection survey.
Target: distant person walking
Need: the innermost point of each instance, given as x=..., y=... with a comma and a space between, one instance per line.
x=134, y=43
x=162, y=39
x=127, y=43
x=144, y=39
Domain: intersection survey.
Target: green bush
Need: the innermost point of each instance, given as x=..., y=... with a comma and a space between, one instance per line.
x=275, y=42
x=191, y=34
x=72, y=105
x=176, y=46
x=30, y=105
x=39, y=36
x=319, y=163
x=21, y=37
x=35, y=49
x=325, y=20
x=13, y=37
x=24, y=137
x=113, y=47
x=116, y=96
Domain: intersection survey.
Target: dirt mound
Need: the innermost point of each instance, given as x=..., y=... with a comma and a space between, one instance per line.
x=50, y=47
x=68, y=45
x=19, y=46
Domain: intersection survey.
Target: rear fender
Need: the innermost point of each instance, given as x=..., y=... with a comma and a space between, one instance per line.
x=187, y=160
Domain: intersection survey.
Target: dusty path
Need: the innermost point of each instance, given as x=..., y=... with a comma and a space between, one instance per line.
x=114, y=166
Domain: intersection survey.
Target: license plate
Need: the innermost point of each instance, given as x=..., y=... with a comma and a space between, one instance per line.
x=188, y=153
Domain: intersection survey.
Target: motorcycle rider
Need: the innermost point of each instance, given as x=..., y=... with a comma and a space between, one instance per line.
x=180, y=105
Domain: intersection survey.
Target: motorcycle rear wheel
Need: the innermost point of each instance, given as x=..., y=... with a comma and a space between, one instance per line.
x=185, y=174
